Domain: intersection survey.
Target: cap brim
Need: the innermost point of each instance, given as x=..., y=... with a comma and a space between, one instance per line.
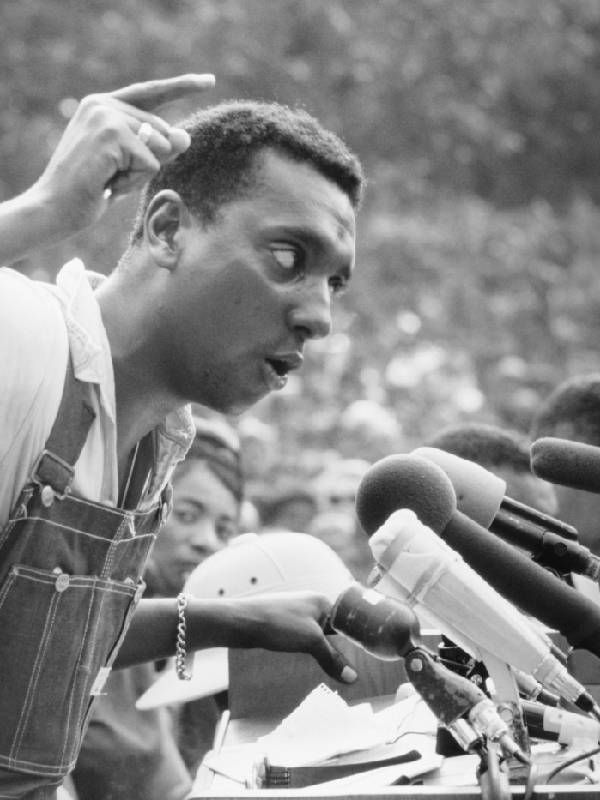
x=210, y=675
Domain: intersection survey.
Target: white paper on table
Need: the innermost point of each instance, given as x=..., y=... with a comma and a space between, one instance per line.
x=323, y=725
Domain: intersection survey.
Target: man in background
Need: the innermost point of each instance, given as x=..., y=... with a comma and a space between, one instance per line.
x=572, y=411
x=504, y=452
x=335, y=522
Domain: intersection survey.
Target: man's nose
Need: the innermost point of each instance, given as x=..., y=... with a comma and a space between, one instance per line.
x=311, y=314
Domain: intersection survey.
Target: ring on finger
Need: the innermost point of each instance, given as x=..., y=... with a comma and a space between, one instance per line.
x=145, y=132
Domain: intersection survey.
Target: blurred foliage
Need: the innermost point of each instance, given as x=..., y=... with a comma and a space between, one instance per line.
x=477, y=121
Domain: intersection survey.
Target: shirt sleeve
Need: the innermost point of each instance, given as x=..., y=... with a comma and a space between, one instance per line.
x=33, y=358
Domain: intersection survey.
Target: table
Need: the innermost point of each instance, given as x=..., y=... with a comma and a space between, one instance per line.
x=265, y=687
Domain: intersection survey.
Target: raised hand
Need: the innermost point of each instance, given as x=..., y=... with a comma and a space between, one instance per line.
x=112, y=145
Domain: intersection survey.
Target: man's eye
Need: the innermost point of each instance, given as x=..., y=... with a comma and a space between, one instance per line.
x=287, y=257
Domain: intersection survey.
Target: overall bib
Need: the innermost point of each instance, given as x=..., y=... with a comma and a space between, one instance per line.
x=70, y=580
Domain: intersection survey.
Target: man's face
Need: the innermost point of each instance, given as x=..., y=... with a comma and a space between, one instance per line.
x=203, y=519
x=252, y=288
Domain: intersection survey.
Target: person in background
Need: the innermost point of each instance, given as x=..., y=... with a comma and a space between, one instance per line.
x=132, y=753
x=288, y=508
x=260, y=452
x=368, y=431
x=572, y=411
x=503, y=451
x=208, y=490
x=336, y=522
x=244, y=235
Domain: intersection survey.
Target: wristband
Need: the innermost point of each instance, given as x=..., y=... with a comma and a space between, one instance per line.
x=180, y=648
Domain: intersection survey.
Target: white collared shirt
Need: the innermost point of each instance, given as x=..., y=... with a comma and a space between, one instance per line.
x=39, y=322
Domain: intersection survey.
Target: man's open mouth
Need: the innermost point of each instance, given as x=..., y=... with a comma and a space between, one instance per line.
x=275, y=372
x=280, y=366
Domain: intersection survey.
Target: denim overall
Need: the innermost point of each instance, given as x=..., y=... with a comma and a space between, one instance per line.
x=70, y=579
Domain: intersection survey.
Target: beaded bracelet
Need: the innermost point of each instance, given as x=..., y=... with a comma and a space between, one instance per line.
x=180, y=649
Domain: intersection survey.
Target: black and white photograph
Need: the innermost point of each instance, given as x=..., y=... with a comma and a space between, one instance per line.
x=299, y=399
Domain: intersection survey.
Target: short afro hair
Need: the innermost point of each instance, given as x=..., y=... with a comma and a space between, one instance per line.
x=220, y=164
x=571, y=411
x=486, y=445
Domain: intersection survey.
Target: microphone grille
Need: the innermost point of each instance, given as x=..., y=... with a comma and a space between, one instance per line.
x=405, y=481
x=568, y=463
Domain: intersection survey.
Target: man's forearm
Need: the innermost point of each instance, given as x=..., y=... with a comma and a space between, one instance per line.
x=291, y=622
x=96, y=151
x=152, y=633
x=27, y=222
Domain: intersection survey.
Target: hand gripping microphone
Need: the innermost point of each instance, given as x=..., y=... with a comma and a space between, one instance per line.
x=481, y=495
x=422, y=570
x=572, y=464
x=402, y=481
x=390, y=630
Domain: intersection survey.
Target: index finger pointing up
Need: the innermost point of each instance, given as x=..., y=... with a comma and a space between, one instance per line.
x=148, y=95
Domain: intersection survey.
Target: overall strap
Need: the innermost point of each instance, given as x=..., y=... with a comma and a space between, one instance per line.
x=55, y=464
x=143, y=463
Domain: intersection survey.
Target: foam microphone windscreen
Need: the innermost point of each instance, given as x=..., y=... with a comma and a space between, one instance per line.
x=410, y=482
x=379, y=492
x=572, y=464
x=479, y=492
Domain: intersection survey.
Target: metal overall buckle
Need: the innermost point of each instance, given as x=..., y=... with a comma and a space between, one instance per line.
x=48, y=491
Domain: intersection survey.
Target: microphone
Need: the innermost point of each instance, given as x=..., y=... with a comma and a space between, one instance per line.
x=382, y=626
x=401, y=481
x=390, y=630
x=458, y=660
x=420, y=569
x=558, y=725
x=572, y=464
x=481, y=495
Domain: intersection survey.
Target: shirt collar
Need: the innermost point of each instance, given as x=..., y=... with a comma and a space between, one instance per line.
x=90, y=350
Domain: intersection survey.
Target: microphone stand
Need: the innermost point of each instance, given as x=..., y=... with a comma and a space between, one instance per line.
x=505, y=693
x=496, y=762
x=390, y=630
x=464, y=709
x=492, y=774
x=496, y=769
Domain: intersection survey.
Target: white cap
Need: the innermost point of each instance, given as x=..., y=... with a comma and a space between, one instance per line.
x=251, y=564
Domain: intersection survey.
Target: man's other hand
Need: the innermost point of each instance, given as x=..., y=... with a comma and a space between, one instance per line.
x=293, y=622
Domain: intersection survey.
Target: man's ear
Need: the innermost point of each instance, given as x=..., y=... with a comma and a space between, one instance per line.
x=165, y=218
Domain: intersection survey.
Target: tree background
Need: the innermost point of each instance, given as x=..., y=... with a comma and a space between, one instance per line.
x=477, y=121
